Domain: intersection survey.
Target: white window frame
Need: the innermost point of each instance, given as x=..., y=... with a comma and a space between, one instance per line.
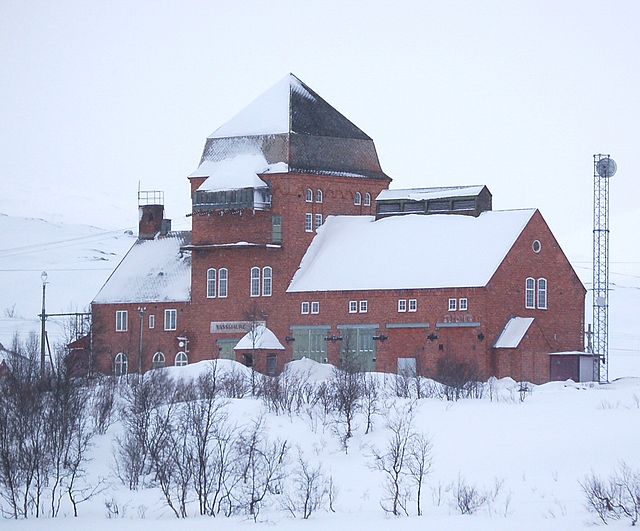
x=183, y=360
x=315, y=307
x=309, y=195
x=357, y=198
x=319, y=196
x=267, y=281
x=463, y=304
x=223, y=283
x=308, y=222
x=367, y=199
x=170, y=319
x=254, y=286
x=353, y=306
x=158, y=360
x=402, y=305
x=453, y=304
x=152, y=322
x=530, y=293
x=363, y=306
x=318, y=220
x=542, y=294
x=304, y=308
x=413, y=305
x=212, y=274
x=122, y=320
x=121, y=364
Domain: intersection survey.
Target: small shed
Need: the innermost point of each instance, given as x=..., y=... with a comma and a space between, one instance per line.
x=258, y=348
x=573, y=365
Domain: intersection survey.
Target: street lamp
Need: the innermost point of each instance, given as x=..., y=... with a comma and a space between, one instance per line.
x=43, y=318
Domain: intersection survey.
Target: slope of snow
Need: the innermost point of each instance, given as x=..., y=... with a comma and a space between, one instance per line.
x=418, y=251
x=77, y=258
x=422, y=194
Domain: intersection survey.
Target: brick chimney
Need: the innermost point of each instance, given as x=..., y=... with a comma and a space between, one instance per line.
x=150, y=221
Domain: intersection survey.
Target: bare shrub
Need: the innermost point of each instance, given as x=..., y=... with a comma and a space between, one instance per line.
x=346, y=388
x=310, y=489
x=370, y=399
x=468, y=498
x=459, y=379
x=235, y=384
x=286, y=393
x=616, y=497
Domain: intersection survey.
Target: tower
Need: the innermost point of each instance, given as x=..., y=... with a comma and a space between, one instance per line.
x=604, y=167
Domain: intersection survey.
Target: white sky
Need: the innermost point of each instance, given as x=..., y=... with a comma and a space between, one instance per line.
x=95, y=96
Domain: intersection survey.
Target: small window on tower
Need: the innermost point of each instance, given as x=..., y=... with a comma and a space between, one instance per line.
x=357, y=198
x=152, y=321
x=309, y=196
x=318, y=196
x=367, y=199
x=308, y=222
x=318, y=220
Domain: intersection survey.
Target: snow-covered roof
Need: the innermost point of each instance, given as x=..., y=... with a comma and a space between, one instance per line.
x=422, y=194
x=406, y=252
x=234, y=173
x=152, y=271
x=573, y=353
x=259, y=338
x=513, y=332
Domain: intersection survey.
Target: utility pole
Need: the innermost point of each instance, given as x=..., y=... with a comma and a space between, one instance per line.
x=43, y=318
x=141, y=311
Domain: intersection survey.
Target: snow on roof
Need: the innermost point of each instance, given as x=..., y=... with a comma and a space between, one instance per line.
x=572, y=353
x=513, y=332
x=235, y=173
x=406, y=252
x=421, y=194
x=152, y=271
x=259, y=338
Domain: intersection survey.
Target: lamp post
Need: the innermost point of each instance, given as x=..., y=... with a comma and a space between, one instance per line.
x=43, y=318
x=141, y=311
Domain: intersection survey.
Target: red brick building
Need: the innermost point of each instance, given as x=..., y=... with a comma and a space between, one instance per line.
x=294, y=228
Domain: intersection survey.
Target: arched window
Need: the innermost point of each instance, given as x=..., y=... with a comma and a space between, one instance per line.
x=542, y=293
x=255, y=281
x=211, y=283
x=357, y=199
x=367, y=199
x=266, y=281
x=223, y=282
x=158, y=360
x=318, y=196
x=309, y=196
x=530, y=293
x=181, y=359
x=121, y=364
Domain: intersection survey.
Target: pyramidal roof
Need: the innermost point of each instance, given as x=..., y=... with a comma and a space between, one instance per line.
x=289, y=106
x=292, y=127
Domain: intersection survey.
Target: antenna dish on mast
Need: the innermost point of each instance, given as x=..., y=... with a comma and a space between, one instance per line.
x=606, y=167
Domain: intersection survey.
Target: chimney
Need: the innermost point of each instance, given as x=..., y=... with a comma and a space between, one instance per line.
x=150, y=215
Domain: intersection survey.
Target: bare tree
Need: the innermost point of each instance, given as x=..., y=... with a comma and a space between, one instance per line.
x=419, y=463
x=346, y=390
x=616, y=497
x=309, y=490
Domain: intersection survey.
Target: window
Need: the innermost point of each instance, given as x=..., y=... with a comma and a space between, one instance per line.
x=170, y=319
x=308, y=222
x=158, y=360
x=266, y=281
x=357, y=198
x=413, y=305
x=181, y=359
x=318, y=220
x=152, y=321
x=309, y=196
x=310, y=343
x=121, y=364
x=353, y=306
x=536, y=246
x=255, y=281
x=402, y=305
x=452, y=305
x=271, y=364
x=318, y=196
x=529, y=293
x=276, y=229
x=463, y=305
x=367, y=199
x=223, y=282
x=121, y=320
x=211, y=283
x=363, y=307
x=542, y=293
x=315, y=307
x=304, y=308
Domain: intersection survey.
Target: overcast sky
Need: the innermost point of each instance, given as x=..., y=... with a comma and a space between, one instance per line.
x=96, y=96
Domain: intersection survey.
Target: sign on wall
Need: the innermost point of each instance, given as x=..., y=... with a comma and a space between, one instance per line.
x=234, y=327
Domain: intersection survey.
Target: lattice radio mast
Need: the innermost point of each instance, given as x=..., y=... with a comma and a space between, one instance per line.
x=604, y=167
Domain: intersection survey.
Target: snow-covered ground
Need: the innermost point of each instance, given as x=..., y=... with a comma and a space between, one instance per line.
x=536, y=450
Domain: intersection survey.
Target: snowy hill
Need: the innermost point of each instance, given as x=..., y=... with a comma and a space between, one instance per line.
x=526, y=458
x=77, y=258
